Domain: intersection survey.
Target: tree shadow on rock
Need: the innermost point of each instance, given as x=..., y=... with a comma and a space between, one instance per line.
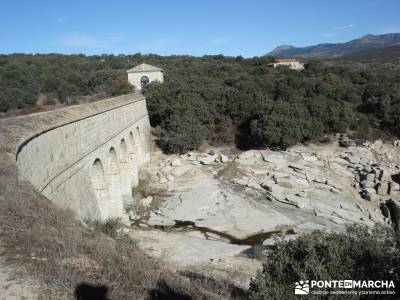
x=86, y=291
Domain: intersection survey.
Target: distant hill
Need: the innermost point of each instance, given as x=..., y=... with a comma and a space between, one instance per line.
x=366, y=42
x=388, y=54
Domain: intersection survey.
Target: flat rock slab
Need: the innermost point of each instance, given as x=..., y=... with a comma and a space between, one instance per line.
x=184, y=248
x=206, y=204
x=191, y=251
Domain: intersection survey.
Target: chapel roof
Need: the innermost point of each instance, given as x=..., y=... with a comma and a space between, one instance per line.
x=144, y=68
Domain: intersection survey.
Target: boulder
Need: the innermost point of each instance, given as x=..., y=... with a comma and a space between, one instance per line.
x=299, y=202
x=367, y=193
x=390, y=188
x=382, y=188
x=191, y=158
x=223, y=158
x=367, y=169
x=257, y=171
x=254, y=185
x=301, y=194
x=346, y=142
x=366, y=184
x=293, y=182
x=351, y=159
x=357, y=178
x=396, y=143
x=166, y=169
x=163, y=180
x=278, y=160
x=206, y=160
x=268, y=185
x=179, y=171
x=320, y=179
x=154, y=178
x=379, y=173
x=370, y=177
x=176, y=162
x=146, y=202
x=241, y=181
x=249, y=154
x=309, y=157
x=125, y=220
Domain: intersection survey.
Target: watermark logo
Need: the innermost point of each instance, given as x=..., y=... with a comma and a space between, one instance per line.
x=344, y=287
x=302, y=287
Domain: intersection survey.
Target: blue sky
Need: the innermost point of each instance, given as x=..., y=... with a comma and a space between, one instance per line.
x=248, y=28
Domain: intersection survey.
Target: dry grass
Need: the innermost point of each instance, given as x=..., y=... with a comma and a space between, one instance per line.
x=61, y=252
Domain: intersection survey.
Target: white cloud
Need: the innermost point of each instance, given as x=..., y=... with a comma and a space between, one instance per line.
x=335, y=30
x=338, y=28
x=83, y=41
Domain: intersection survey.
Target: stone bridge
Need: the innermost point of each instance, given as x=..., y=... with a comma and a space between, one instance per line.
x=86, y=157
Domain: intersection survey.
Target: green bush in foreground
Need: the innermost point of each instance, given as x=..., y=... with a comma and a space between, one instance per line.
x=108, y=227
x=358, y=254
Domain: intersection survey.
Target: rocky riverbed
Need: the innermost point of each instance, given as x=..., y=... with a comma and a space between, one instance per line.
x=217, y=212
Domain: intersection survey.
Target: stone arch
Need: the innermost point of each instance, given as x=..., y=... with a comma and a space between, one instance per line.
x=113, y=161
x=113, y=205
x=98, y=180
x=100, y=187
x=138, y=132
x=132, y=145
x=138, y=145
x=124, y=151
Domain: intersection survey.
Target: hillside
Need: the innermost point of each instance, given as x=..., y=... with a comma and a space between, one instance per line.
x=366, y=42
x=216, y=98
x=389, y=54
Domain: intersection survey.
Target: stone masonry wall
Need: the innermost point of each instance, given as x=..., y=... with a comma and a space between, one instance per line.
x=90, y=164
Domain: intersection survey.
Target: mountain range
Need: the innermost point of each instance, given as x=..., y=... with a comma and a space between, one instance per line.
x=329, y=50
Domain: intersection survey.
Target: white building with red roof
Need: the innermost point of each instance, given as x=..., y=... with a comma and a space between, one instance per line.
x=291, y=63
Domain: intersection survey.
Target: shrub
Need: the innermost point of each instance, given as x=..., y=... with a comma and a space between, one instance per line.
x=108, y=227
x=185, y=137
x=359, y=254
x=276, y=131
x=120, y=86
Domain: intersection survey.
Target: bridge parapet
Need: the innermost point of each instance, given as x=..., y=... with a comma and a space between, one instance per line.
x=85, y=157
